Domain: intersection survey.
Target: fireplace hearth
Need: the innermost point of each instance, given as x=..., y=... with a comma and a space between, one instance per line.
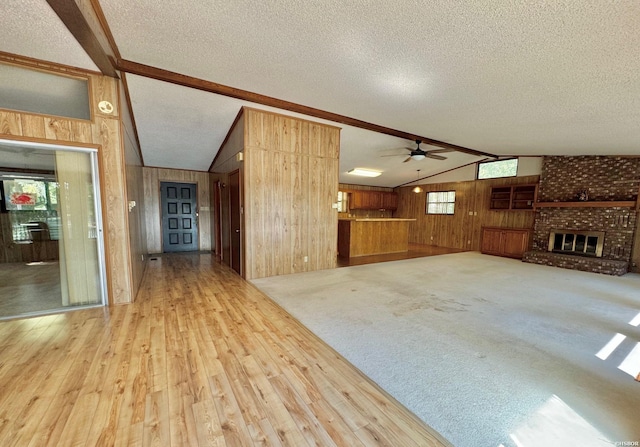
x=580, y=243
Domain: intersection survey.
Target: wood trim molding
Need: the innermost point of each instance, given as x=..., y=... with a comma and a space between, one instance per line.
x=226, y=138
x=74, y=20
x=127, y=99
x=213, y=87
x=99, y=14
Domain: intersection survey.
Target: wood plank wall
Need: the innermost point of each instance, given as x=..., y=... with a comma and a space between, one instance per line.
x=135, y=193
x=225, y=163
x=103, y=132
x=463, y=229
x=364, y=213
x=153, y=216
x=34, y=252
x=290, y=182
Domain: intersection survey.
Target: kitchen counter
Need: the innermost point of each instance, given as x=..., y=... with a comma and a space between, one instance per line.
x=376, y=219
x=372, y=236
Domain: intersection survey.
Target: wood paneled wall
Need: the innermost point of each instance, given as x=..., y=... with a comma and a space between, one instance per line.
x=153, y=216
x=364, y=213
x=34, y=252
x=135, y=193
x=290, y=173
x=225, y=163
x=291, y=183
x=463, y=229
x=103, y=132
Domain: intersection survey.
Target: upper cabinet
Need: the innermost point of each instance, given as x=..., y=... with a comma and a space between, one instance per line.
x=373, y=200
x=513, y=198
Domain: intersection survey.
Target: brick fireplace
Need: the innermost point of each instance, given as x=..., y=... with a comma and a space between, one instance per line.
x=583, y=201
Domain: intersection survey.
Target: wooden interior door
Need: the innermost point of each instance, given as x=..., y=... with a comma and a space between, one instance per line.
x=235, y=228
x=179, y=217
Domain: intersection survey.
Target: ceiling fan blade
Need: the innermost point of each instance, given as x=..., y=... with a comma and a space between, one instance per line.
x=435, y=157
x=408, y=159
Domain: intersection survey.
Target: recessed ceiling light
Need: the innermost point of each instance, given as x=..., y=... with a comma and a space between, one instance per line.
x=364, y=172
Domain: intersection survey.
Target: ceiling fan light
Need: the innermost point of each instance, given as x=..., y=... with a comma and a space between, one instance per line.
x=418, y=157
x=364, y=172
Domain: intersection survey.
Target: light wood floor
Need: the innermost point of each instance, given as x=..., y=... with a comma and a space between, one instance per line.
x=201, y=358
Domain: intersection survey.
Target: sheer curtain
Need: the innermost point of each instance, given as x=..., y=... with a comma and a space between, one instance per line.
x=79, y=267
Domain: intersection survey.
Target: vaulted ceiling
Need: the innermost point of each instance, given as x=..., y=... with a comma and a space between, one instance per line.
x=501, y=77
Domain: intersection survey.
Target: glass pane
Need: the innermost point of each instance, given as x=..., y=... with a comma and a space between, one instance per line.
x=557, y=241
x=568, y=242
x=497, y=169
x=51, y=249
x=592, y=242
x=450, y=207
x=580, y=242
x=48, y=93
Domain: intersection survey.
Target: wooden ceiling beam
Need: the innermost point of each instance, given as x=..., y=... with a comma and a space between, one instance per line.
x=213, y=87
x=75, y=21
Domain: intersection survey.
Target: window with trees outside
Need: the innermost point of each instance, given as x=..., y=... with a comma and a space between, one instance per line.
x=29, y=202
x=498, y=168
x=441, y=202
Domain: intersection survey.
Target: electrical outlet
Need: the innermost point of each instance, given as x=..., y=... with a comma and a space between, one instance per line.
x=306, y=259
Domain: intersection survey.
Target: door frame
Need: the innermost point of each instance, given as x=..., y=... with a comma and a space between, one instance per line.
x=100, y=209
x=241, y=218
x=160, y=182
x=216, y=221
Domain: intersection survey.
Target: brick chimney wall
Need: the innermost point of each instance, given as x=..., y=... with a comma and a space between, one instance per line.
x=604, y=179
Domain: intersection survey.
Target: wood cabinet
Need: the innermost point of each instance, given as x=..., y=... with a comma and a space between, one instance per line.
x=363, y=237
x=508, y=242
x=373, y=200
x=513, y=198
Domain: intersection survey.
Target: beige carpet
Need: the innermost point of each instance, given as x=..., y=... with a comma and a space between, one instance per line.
x=488, y=351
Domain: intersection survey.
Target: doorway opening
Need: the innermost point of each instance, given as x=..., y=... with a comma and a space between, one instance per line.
x=51, y=237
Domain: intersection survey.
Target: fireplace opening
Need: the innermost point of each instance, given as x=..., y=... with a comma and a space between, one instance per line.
x=583, y=243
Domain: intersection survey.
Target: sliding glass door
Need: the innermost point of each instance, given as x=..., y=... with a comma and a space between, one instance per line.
x=50, y=229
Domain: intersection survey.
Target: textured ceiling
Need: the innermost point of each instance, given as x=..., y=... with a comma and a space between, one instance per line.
x=31, y=28
x=503, y=76
x=506, y=77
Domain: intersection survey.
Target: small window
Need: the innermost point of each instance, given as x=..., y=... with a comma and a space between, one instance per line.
x=342, y=202
x=37, y=91
x=498, y=169
x=441, y=202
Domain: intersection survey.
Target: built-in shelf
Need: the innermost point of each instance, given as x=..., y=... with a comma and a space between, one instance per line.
x=512, y=198
x=611, y=204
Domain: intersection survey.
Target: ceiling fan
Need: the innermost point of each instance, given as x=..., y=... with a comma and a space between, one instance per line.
x=419, y=154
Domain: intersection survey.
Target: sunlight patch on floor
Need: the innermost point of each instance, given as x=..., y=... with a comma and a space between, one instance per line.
x=631, y=363
x=555, y=423
x=606, y=351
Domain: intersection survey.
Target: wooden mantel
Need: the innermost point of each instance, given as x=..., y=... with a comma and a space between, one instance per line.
x=606, y=204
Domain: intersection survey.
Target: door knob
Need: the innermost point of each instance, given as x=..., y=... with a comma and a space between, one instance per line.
x=237, y=231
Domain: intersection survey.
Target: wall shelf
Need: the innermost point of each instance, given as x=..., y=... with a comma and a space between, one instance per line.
x=608, y=204
x=512, y=198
